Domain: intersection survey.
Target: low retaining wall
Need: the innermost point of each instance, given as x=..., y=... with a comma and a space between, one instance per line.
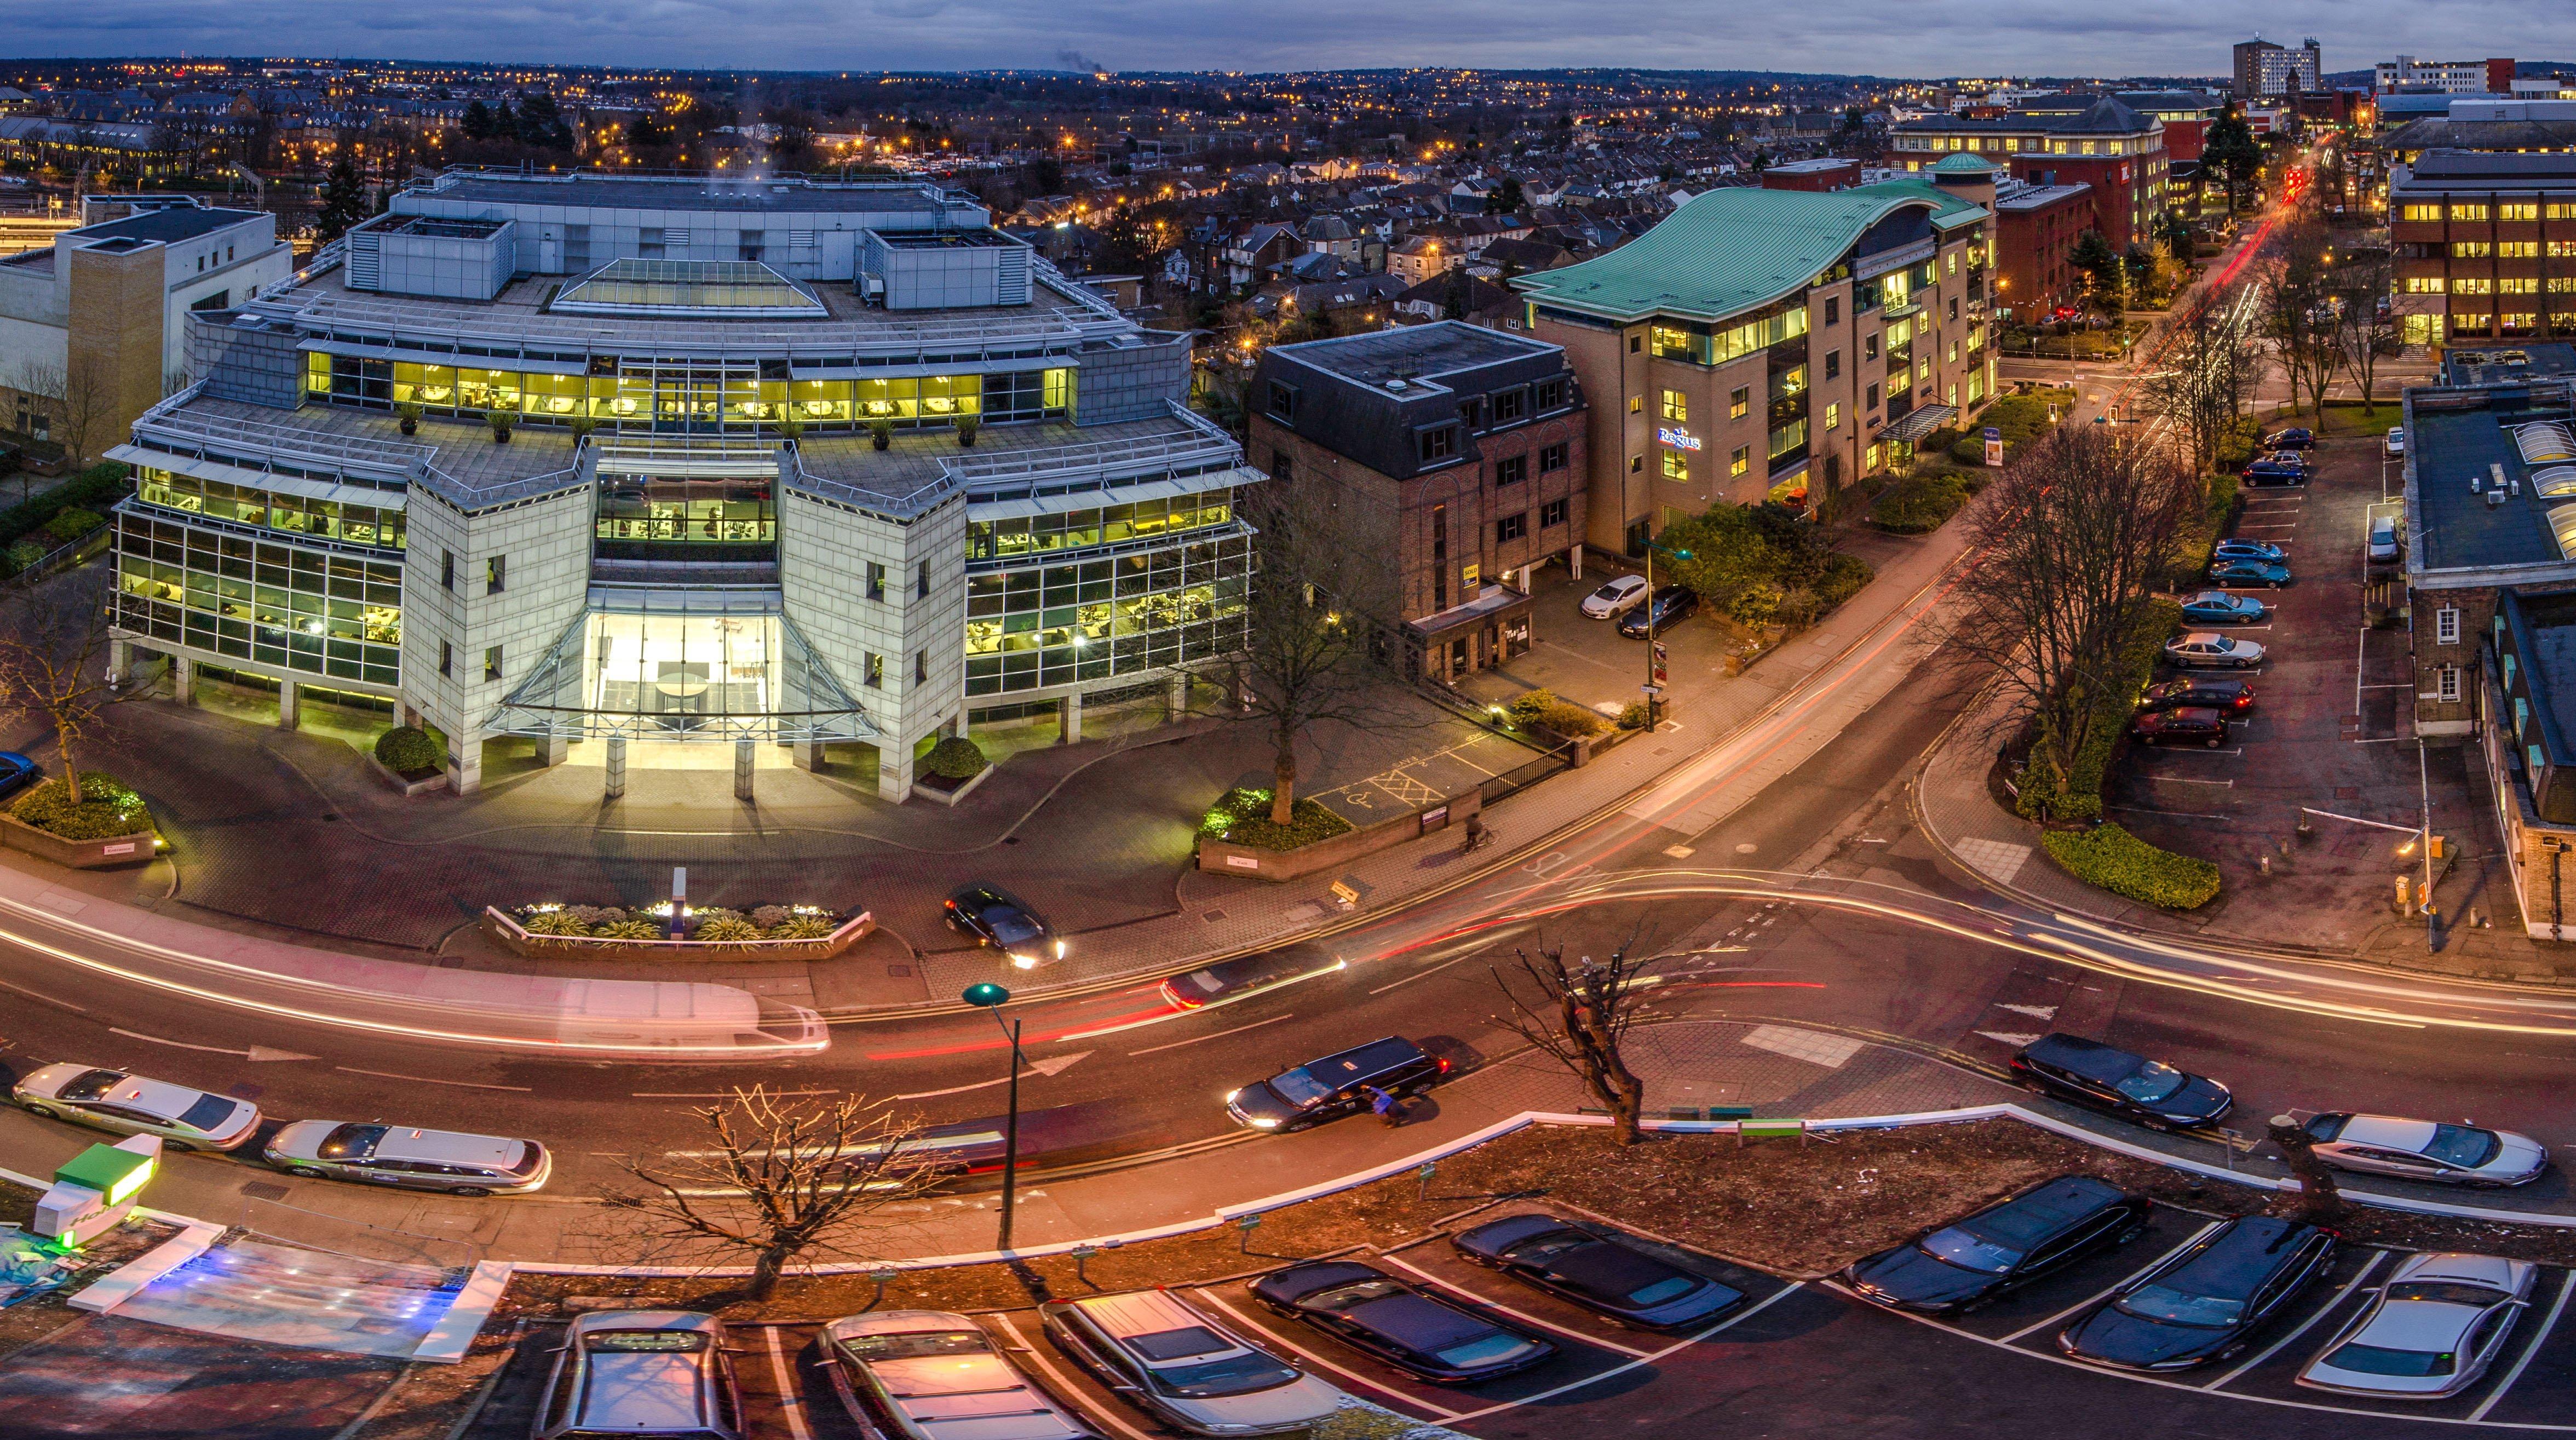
x=1224, y=857
x=952, y=798
x=395, y=778
x=106, y=854
x=586, y=947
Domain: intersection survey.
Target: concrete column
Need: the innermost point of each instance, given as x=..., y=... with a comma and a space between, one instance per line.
x=1069, y=719
x=120, y=654
x=616, y=767
x=1574, y=558
x=465, y=766
x=894, y=773
x=287, y=691
x=743, y=751
x=551, y=749
x=808, y=754
x=1176, y=697
x=183, y=679
x=405, y=712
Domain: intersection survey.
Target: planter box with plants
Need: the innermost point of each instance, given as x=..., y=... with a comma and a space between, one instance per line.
x=952, y=770
x=410, y=759
x=109, y=827
x=611, y=932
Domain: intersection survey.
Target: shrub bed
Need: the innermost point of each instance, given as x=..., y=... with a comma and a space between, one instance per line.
x=2112, y=859
x=1919, y=504
x=710, y=923
x=1542, y=710
x=955, y=758
x=2046, y=795
x=1762, y=565
x=410, y=751
x=95, y=489
x=1243, y=817
x=107, y=808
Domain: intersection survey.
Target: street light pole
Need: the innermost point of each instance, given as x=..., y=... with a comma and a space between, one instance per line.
x=993, y=997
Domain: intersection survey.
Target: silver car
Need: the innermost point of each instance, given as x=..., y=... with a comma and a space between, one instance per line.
x=642, y=1372
x=185, y=1119
x=1184, y=1368
x=936, y=1376
x=2431, y=1331
x=2206, y=648
x=445, y=1160
x=2426, y=1150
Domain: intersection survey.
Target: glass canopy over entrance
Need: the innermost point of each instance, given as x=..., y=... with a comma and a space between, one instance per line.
x=675, y=665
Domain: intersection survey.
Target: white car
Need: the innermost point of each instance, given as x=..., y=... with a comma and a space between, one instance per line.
x=380, y=1154
x=2396, y=442
x=2431, y=1331
x=185, y=1119
x=2425, y=1150
x=938, y=1376
x=1615, y=598
x=2209, y=650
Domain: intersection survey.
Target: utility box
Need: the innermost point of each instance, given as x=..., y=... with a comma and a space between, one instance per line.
x=95, y=1189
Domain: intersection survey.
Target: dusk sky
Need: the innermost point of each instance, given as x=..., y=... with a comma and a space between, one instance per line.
x=1885, y=37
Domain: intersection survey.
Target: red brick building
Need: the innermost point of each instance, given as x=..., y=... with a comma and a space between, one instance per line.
x=2115, y=151
x=2036, y=227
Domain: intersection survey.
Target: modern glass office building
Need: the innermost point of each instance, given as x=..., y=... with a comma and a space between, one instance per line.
x=599, y=458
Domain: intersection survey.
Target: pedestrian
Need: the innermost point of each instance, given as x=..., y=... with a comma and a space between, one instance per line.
x=1389, y=1110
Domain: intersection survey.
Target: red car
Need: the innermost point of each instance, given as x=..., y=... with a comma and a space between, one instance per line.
x=2191, y=725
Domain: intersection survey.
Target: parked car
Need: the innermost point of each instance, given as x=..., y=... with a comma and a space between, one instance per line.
x=2383, y=540
x=2273, y=472
x=1615, y=597
x=459, y=1164
x=2190, y=725
x=2427, y=1150
x=2205, y=1301
x=2217, y=607
x=2395, y=444
x=1179, y=1365
x=2269, y=574
x=2232, y=698
x=2133, y=1087
x=1415, y=1331
x=185, y=1119
x=2000, y=1248
x=937, y=1376
x=993, y=916
x=642, y=1372
x=17, y=772
x=1330, y=1088
x=1245, y=975
x=1600, y=1270
x=2294, y=438
x=2249, y=550
x=1672, y=605
x=2203, y=649
x=2295, y=459
x=2430, y=1331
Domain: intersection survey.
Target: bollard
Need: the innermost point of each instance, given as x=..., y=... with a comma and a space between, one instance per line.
x=2267, y=863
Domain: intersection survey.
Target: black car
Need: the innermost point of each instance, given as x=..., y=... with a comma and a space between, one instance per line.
x=2186, y=725
x=1603, y=1273
x=2205, y=1302
x=1229, y=980
x=2001, y=1248
x=1336, y=1085
x=2130, y=1086
x=2232, y=698
x=993, y=916
x=2294, y=438
x=1420, y=1334
x=1672, y=604
x=17, y=772
x=2272, y=472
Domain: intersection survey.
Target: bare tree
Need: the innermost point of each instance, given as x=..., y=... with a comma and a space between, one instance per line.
x=1579, y=1015
x=783, y=1182
x=2298, y=313
x=2210, y=371
x=2365, y=330
x=50, y=666
x=2068, y=552
x=80, y=400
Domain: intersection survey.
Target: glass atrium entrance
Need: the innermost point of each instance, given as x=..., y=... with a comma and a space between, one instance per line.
x=682, y=666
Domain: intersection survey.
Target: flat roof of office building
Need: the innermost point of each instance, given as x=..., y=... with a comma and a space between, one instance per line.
x=696, y=192
x=167, y=227
x=1418, y=351
x=2459, y=528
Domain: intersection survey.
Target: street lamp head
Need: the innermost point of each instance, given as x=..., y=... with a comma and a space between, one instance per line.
x=987, y=994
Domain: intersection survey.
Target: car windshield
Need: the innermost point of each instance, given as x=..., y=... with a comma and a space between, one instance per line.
x=1299, y=1088
x=2163, y=1302
x=1234, y=1375
x=925, y=1342
x=2380, y=1360
x=1485, y=1350
x=2445, y=1292
x=90, y=1085
x=2463, y=1146
x=689, y=1341
x=1673, y=1288
x=1970, y=1252
x=1611, y=591
x=350, y=1142
x=209, y=1112
x=2152, y=1082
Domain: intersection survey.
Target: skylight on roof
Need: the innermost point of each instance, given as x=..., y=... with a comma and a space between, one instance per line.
x=705, y=289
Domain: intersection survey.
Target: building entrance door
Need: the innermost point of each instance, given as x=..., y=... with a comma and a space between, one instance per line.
x=1458, y=661
x=688, y=401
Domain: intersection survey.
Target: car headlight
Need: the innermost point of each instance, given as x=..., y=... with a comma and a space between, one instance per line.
x=1024, y=962
x=1230, y=1094
x=1265, y=1123
x=1059, y=949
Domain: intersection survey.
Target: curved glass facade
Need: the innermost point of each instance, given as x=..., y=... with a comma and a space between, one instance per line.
x=318, y=612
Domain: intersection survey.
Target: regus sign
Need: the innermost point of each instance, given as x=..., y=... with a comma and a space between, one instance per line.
x=1678, y=439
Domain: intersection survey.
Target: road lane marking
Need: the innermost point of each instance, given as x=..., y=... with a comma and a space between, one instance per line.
x=1221, y=1034
x=426, y=1080
x=1064, y=1387
x=1277, y=1337
x=2095, y=1299
x=2306, y=1325
x=48, y=999
x=1648, y=1359
x=1418, y=974
x=1568, y=1331
x=2557, y=1307
x=791, y=1401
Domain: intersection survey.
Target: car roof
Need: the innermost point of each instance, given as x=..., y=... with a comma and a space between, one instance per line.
x=159, y=1097
x=2069, y=1196
x=1299, y=1281
x=2089, y=1058
x=2197, y=713
x=447, y=1147
x=648, y=1391
x=1363, y=1060
x=2420, y=1325
x=2388, y=1131
x=598, y=1320
x=2246, y=1249
x=1419, y=1321
x=1145, y=1312
x=902, y=1322
x=2492, y=1270
x=2201, y=637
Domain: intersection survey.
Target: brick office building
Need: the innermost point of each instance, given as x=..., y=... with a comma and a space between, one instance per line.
x=2109, y=146
x=2487, y=242
x=2036, y=227
x=1463, y=446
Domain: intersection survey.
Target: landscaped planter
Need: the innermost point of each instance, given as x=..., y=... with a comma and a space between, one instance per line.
x=426, y=781
x=928, y=787
x=106, y=854
x=1225, y=857
x=519, y=940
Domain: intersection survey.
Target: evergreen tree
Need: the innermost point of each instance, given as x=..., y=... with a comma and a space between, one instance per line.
x=2230, y=149
x=478, y=121
x=2107, y=283
x=344, y=201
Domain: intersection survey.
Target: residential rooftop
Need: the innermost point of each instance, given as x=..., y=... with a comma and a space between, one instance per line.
x=1444, y=347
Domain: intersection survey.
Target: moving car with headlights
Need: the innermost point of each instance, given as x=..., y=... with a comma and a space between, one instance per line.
x=1615, y=598
x=2430, y=1331
x=2210, y=650
x=931, y=1375
x=2270, y=574
x=2426, y=1150
x=1246, y=975
x=1415, y=1331
x=1336, y=1085
x=991, y=915
x=1672, y=605
x=447, y=1160
x=2207, y=1299
x=2000, y=1248
x=1179, y=1365
x=642, y=1372
x=2232, y=698
x=2249, y=550
x=2217, y=607
x=2133, y=1087
x=2186, y=726
x=1600, y=1270
x=185, y=1119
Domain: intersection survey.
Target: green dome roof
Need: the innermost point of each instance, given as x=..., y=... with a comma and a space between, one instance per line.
x=1963, y=163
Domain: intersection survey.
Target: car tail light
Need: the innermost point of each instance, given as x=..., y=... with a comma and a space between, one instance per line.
x=1444, y=1064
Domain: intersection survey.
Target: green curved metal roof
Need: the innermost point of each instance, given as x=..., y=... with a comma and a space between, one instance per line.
x=1734, y=249
x=1964, y=163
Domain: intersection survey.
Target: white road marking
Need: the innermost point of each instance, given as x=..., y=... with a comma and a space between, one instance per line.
x=2008, y=1038
x=2094, y=1299
x=426, y=1080
x=41, y=995
x=1311, y=1358
x=1766, y=1303
x=1523, y=1316
x=791, y=1401
x=1434, y=970
x=1052, y=1065
x=2322, y=1311
x=2036, y=1012
x=1219, y=1035
x=176, y=1044
x=2558, y=1307
x=1065, y=1389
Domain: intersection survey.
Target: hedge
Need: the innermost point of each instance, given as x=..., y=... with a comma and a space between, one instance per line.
x=107, y=808
x=2045, y=795
x=955, y=758
x=408, y=750
x=2112, y=859
x=1920, y=503
x=1242, y=817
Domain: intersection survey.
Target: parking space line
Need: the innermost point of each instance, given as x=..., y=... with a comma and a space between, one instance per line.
x=2557, y=1307
x=2161, y=1257
x=791, y=1401
x=1524, y=1317
x=1310, y=1357
x=1648, y=1359
x=2322, y=1311
x=1065, y=1389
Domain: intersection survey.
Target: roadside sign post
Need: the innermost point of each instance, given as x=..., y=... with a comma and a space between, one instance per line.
x=993, y=997
x=1081, y=1255
x=1423, y=1174
x=883, y=1277
x=1243, y=1229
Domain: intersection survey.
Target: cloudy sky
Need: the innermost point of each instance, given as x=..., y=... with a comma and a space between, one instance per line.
x=1884, y=37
